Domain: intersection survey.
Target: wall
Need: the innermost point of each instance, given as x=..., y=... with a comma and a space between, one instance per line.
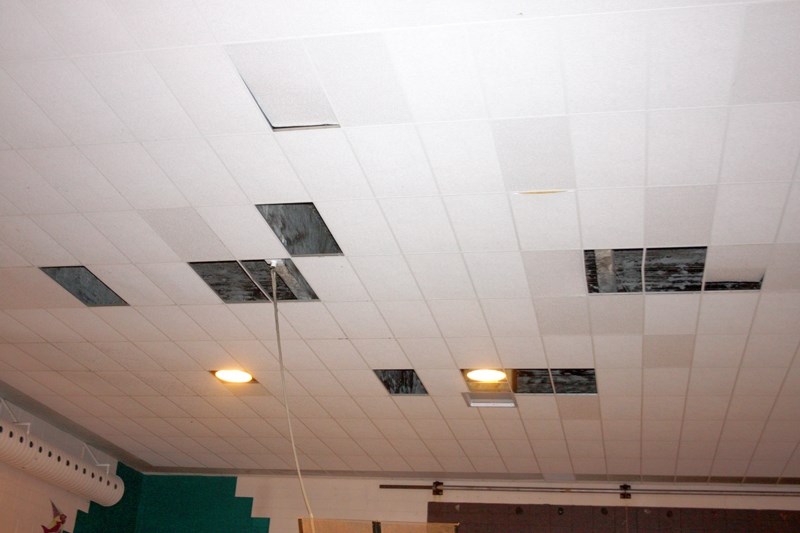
x=362, y=499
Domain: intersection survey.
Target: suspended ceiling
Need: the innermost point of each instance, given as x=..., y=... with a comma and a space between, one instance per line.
x=135, y=138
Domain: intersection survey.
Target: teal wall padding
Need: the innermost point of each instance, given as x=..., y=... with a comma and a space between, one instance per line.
x=173, y=504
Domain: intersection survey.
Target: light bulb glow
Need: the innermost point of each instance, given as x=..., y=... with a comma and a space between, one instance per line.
x=233, y=376
x=486, y=375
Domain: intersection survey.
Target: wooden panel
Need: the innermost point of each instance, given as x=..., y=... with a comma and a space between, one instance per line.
x=407, y=527
x=323, y=525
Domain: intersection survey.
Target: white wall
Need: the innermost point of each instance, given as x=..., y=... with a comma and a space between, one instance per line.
x=280, y=499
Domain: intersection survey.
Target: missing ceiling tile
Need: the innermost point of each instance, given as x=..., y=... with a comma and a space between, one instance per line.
x=300, y=229
x=84, y=285
x=674, y=269
x=291, y=283
x=612, y=271
x=401, y=381
x=229, y=281
x=531, y=381
x=732, y=285
x=574, y=380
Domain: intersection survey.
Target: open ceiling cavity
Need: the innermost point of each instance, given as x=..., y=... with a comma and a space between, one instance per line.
x=238, y=282
x=655, y=270
x=84, y=285
x=283, y=82
x=401, y=381
x=538, y=381
x=300, y=228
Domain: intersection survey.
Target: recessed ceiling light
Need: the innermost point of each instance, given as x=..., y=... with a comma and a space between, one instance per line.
x=233, y=376
x=486, y=375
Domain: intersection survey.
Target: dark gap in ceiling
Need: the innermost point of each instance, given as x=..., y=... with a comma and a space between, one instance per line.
x=300, y=228
x=531, y=381
x=401, y=381
x=613, y=271
x=574, y=380
x=84, y=285
x=291, y=283
x=732, y=285
x=229, y=281
x=674, y=269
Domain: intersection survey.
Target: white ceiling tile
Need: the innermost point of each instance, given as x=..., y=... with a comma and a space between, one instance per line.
x=470, y=352
x=131, y=284
x=519, y=67
x=438, y=72
x=459, y=318
x=319, y=382
x=665, y=381
x=617, y=351
x=297, y=355
x=130, y=234
x=497, y=275
x=726, y=313
x=609, y=149
x=764, y=204
x=132, y=171
x=332, y=278
x=746, y=262
x=767, y=70
x=535, y=153
x=393, y=160
x=442, y=382
x=605, y=61
x=616, y=314
x=22, y=36
x=521, y=352
x=555, y=274
x=154, y=24
x=492, y=231
x=569, y=351
x=563, y=316
x=671, y=314
x=130, y=323
x=604, y=226
x=678, y=216
x=712, y=381
x=759, y=381
x=259, y=166
x=31, y=242
x=218, y=321
x=88, y=325
x=511, y=317
x=245, y=20
x=242, y=230
x=339, y=354
x=7, y=208
x=21, y=185
x=281, y=78
x=420, y=224
x=684, y=146
x=187, y=234
x=30, y=288
x=197, y=171
x=359, y=319
x=383, y=353
x=10, y=258
x=250, y=354
x=782, y=273
x=358, y=226
x=24, y=124
x=210, y=90
x=777, y=313
x=431, y=352
x=441, y=276
x=174, y=322
x=80, y=238
x=311, y=320
x=718, y=350
x=180, y=283
x=70, y=101
x=76, y=179
x=547, y=221
x=260, y=320
x=693, y=55
x=135, y=92
x=462, y=156
x=386, y=277
x=621, y=408
x=771, y=351
x=359, y=78
x=762, y=143
x=325, y=163
x=46, y=325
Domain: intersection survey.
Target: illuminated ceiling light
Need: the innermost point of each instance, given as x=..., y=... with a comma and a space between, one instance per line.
x=233, y=376
x=486, y=375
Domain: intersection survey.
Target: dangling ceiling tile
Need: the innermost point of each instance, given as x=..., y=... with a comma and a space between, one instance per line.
x=674, y=269
x=300, y=228
x=284, y=84
x=401, y=381
x=84, y=285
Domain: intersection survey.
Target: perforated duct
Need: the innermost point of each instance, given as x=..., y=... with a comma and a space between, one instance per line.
x=57, y=467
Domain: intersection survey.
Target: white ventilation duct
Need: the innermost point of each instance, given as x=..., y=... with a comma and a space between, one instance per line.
x=57, y=467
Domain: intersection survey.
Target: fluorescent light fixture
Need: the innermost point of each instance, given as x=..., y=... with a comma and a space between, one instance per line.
x=486, y=375
x=233, y=376
x=489, y=399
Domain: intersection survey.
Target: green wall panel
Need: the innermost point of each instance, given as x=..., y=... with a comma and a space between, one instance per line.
x=119, y=518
